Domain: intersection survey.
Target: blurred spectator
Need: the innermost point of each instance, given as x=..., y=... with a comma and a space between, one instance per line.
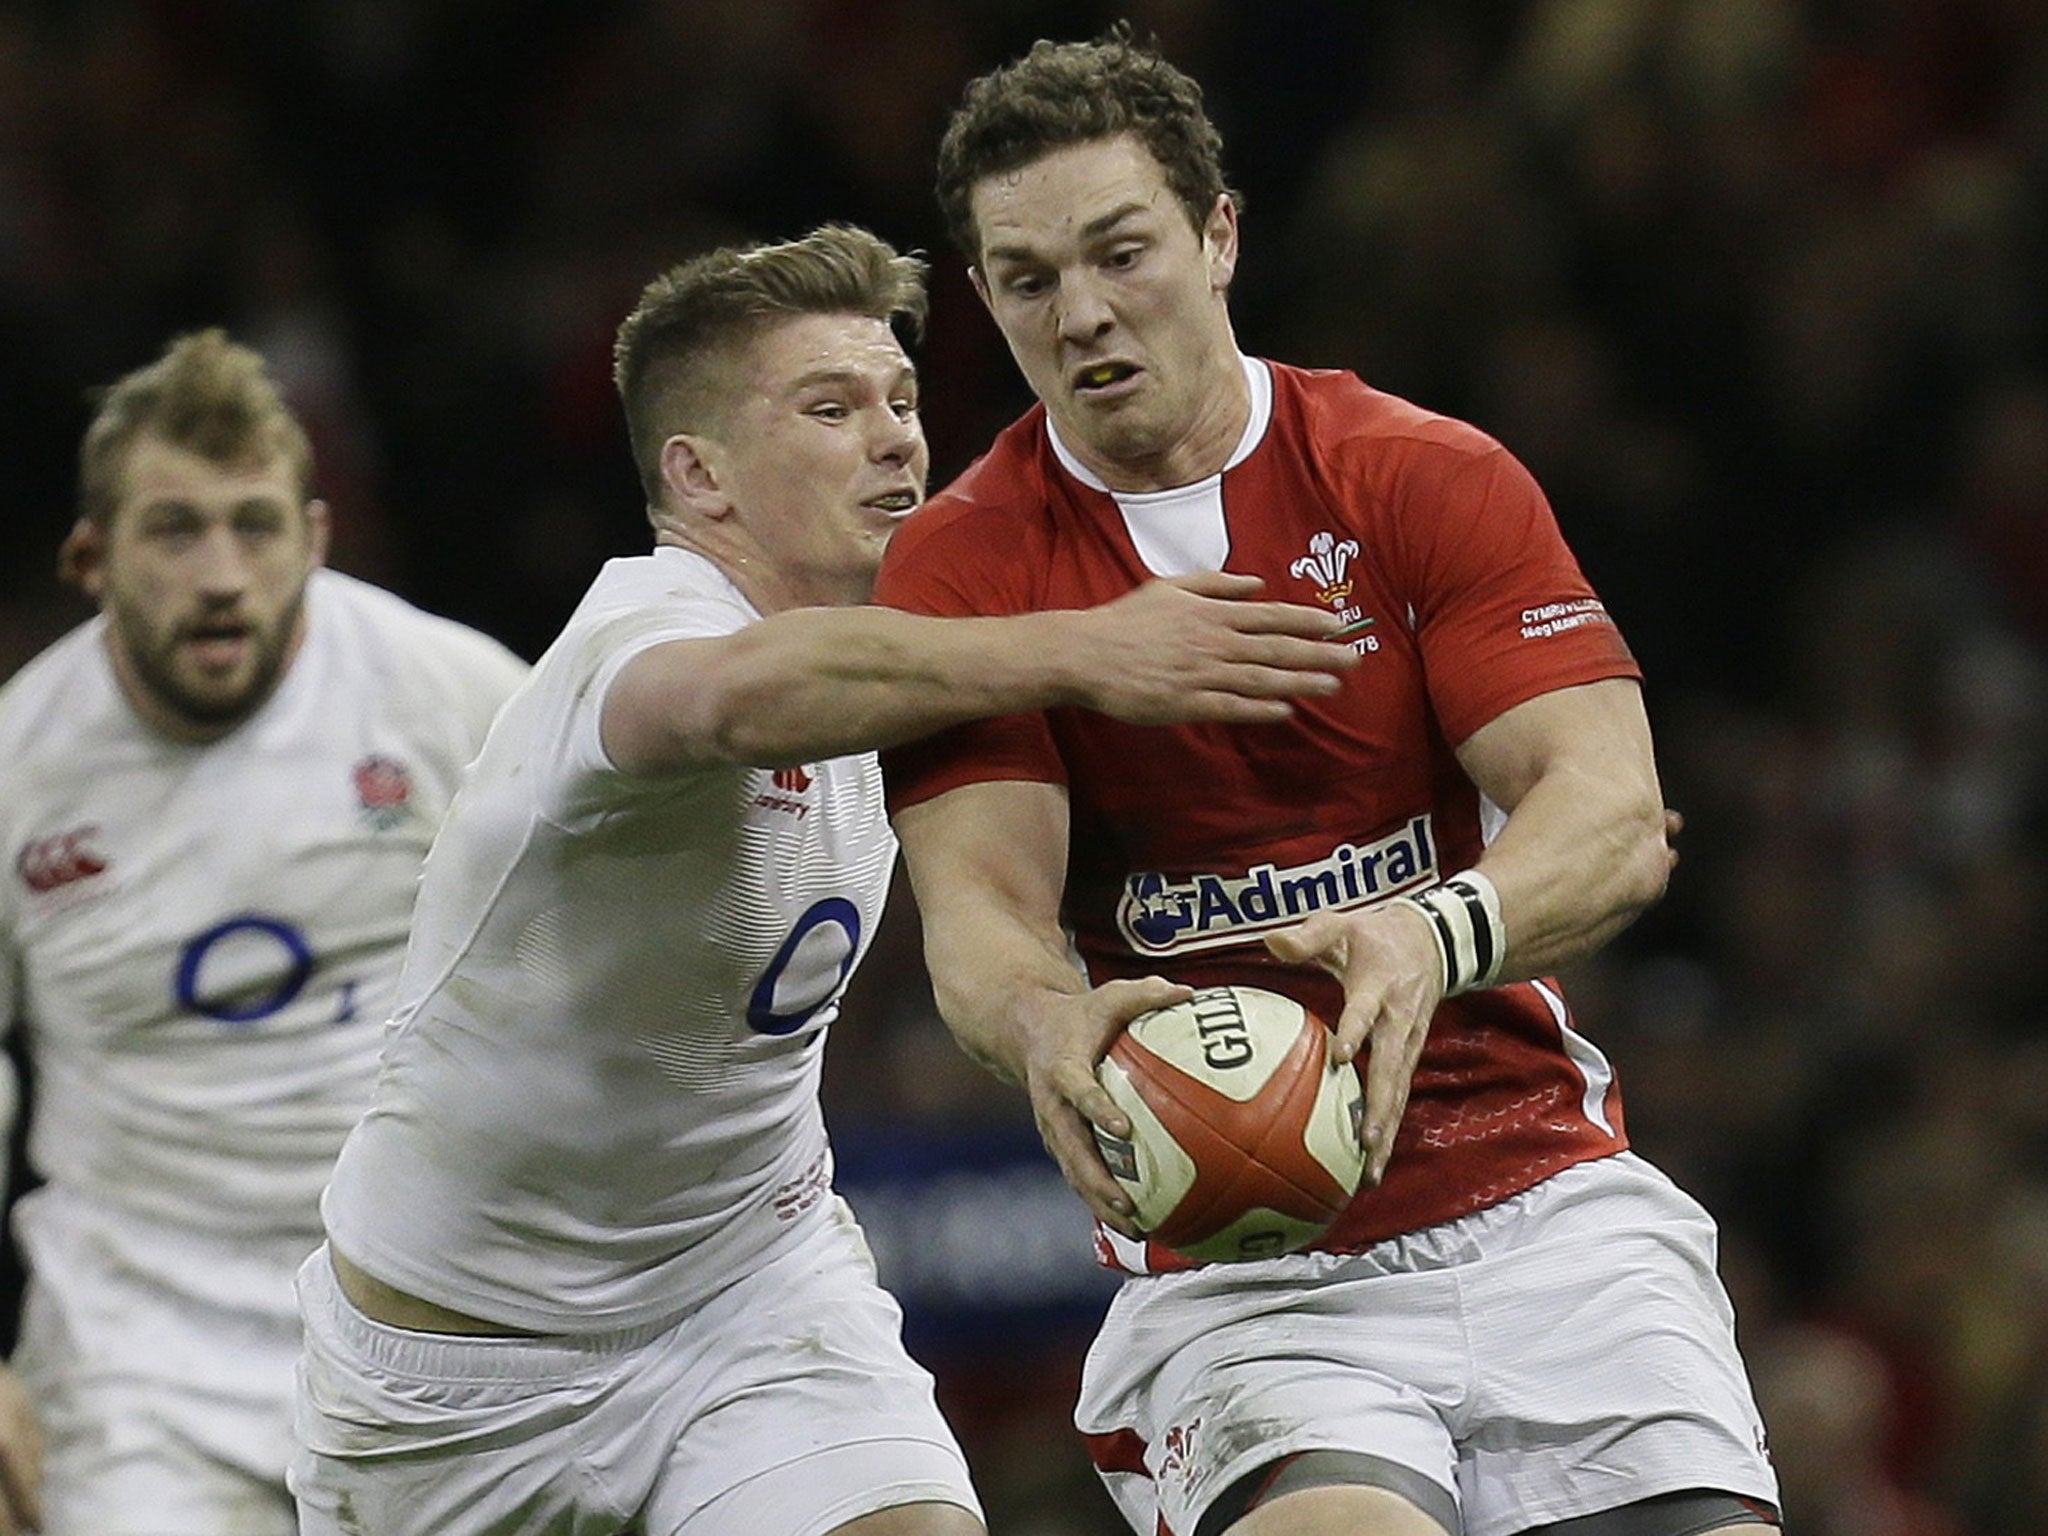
x=1826, y=1398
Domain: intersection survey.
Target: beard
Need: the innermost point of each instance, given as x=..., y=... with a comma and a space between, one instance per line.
x=206, y=706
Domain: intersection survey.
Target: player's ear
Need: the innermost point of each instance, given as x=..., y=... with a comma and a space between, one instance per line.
x=690, y=474
x=976, y=277
x=1219, y=243
x=82, y=558
x=321, y=526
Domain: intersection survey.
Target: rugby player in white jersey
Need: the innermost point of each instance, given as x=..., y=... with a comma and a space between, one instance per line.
x=215, y=798
x=587, y=1271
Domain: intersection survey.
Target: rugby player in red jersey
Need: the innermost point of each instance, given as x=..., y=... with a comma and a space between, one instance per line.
x=1517, y=1325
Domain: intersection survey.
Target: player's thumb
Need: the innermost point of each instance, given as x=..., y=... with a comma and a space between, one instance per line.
x=1303, y=944
x=1130, y=996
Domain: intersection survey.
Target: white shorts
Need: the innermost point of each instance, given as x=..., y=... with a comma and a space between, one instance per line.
x=786, y=1404
x=1565, y=1352
x=160, y=1364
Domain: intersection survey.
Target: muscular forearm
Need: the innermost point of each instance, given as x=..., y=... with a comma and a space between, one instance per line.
x=986, y=862
x=1576, y=863
x=1583, y=851
x=990, y=988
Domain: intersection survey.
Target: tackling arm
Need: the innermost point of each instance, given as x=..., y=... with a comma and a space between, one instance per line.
x=811, y=683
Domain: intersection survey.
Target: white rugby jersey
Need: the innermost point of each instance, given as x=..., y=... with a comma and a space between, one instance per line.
x=599, y=1102
x=203, y=939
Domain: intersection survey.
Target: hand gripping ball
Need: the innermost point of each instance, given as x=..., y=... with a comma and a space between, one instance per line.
x=1246, y=1138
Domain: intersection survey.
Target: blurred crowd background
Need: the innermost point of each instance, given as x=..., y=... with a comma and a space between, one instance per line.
x=1758, y=289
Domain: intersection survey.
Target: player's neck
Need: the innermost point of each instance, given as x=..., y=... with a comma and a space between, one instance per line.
x=770, y=585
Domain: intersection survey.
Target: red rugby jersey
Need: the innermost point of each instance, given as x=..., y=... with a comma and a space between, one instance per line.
x=1189, y=842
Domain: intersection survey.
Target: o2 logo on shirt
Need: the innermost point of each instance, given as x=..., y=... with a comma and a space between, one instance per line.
x=248, y=967
x=809, y=969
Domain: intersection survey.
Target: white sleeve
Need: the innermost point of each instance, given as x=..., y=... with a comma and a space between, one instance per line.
x=587, y=784
x=493, y=676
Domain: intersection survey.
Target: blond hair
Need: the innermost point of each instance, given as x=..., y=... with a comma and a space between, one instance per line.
x=206, y=394
x=694, y=316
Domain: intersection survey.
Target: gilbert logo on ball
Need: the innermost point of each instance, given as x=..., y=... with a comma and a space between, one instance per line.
x=1246, y=1138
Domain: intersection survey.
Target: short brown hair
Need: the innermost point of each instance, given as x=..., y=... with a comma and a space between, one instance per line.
x=1060, y=94
x=695, y=314
x=206, y=394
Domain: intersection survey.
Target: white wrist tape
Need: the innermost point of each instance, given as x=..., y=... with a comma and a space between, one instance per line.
x=1464, y=914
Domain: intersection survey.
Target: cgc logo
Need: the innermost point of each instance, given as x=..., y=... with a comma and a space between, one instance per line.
x=65, y=859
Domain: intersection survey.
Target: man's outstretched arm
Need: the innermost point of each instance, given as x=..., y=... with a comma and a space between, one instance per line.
x=813, y=683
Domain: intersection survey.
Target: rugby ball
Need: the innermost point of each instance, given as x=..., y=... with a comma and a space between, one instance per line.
x=1246, y=1138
